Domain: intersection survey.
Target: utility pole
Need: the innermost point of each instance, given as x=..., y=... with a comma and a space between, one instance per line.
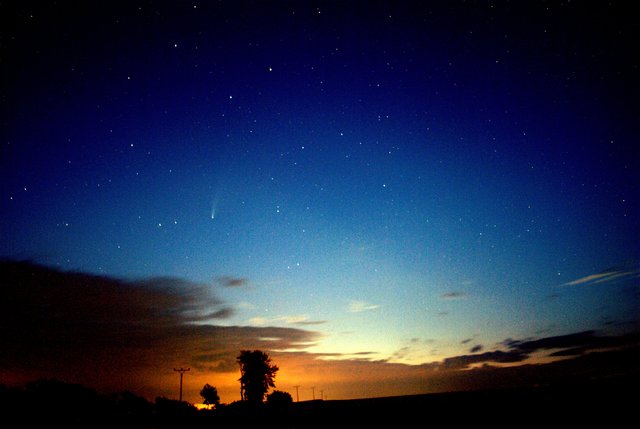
x=297, y=397
x=181, y=371
x=322, y=394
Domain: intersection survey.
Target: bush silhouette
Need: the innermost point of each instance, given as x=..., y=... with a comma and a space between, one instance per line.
x=279, y=399
x=170, y=413
x=210, y=395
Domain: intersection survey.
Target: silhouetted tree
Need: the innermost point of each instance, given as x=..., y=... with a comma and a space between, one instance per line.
x=256, y=375
x=210, y=395
x=279, y=399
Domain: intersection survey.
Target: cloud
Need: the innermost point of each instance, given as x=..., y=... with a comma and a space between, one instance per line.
x=244, y=305
x=557, y=342
x=102, y=330
x=453, y=295
x=301, y=320
x=577, y=351
x=608, y=275
x=368, y=356
x=292, y=319
x=227, y=281
x=310, y=322
x=498, y=356
x=574, y=344
x=360, y=306
x=401, y=353
x=363, y=353
x=223, y=313
x=37, y=297
x=258, y=321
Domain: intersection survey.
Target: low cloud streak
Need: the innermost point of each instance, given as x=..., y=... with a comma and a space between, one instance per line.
x=453, y=295
x=360, y=306
x=227, y=281
x=605, y=276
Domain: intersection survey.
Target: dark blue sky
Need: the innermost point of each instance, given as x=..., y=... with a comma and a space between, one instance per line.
x=413, y=174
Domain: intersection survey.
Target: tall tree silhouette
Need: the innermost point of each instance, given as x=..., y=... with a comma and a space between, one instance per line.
x=257, y=374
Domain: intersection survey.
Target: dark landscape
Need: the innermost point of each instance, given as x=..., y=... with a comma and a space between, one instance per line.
x=609, y=401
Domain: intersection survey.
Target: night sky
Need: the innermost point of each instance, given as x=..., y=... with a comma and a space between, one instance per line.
x=373, y=192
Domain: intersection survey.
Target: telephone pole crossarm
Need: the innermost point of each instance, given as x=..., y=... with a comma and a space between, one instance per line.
x=181, y=371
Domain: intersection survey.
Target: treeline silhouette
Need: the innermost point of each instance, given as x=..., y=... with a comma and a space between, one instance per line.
x=55, y=403
x=52, y=403
x=609, y=398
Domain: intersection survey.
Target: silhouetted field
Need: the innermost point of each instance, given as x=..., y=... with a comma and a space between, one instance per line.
x=610, y=402
x=50, y=403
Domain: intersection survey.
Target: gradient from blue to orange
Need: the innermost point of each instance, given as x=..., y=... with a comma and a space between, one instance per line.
x=407, y=180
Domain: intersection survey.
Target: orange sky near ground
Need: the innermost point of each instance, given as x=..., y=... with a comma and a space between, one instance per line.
x=337, y=380
x=352, y=379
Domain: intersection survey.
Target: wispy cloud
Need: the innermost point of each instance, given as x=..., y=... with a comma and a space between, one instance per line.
x=586, y=339
x=605, y=276
x=360, y=306
x=301, y=320
x=223, y=313
x=228, y=281
x=498, y=356
x=258, y=321
x=477, y=348
x=292, y=319
x=366, y=356
x=453, y=295
x=244, y=305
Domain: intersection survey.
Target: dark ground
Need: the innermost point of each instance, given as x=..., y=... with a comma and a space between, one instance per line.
x=611, y=402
